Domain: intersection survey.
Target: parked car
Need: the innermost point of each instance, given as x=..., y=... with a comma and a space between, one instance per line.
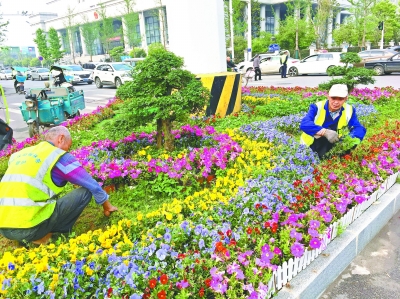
x=316, y=64
x=113, y=73
x=268, y=65
x=385, y=66
x=79, y=74
x=262, y=56
x=374, y=54
x=40, y=74
x=132, y=61
x=28, y=72
x=6, y=75
x=394, y=48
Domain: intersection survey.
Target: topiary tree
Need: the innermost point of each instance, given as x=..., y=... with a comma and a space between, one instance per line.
x=163, y=91
x=351, y=76
x=137, y=53
x=116, y=53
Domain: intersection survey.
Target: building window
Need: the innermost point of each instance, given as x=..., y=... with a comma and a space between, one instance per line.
x=152, y=27
x=269, y=19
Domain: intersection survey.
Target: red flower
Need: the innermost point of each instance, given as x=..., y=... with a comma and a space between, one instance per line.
x=208, y=282
x=181, y=256
x=164, y=279
x=249, y=230
x=109, y=292
x=162, y=295
x=228, y=232
x=232, y=242
x=152, y=283
x=146, y=296
x=201, y=292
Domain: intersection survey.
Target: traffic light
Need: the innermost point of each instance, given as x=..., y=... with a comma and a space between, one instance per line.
x=380, y=26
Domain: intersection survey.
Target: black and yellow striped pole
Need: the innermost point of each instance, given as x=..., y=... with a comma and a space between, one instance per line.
x=226, y=92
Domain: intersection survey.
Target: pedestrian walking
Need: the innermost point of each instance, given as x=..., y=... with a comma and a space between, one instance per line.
x=256, y=66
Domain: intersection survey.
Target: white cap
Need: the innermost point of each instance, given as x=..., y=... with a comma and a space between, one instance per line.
x=338, y=90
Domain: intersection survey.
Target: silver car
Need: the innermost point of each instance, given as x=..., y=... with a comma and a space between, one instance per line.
x=5, y=75
x=40, y=74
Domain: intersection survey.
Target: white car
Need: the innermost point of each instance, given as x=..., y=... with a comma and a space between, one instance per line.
x=268, y=65
x=6, y=74
x=316, y=64
x=262, y=56
x=79, y=74
x=112, y=73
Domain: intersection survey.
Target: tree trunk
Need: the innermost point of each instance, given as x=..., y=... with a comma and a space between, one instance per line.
x=168, y=137
x=159, y=133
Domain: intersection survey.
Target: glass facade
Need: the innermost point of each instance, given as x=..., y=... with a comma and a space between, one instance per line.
x=269, y=19
x=152, y=24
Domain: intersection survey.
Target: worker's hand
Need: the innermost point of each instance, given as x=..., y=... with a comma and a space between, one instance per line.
x=108, y=208
x=332, y=136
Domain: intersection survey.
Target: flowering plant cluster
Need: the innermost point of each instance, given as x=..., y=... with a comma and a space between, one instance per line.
x=127, y=158
x=273, y=201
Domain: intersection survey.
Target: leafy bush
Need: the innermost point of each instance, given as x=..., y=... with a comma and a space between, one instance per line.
x=137, y=53
x=162, y=91
x=350, y=76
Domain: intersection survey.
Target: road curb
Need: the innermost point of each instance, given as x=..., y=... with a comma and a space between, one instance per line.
x=315, y=279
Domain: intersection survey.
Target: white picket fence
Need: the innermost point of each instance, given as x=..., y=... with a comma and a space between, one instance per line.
x=292, y=267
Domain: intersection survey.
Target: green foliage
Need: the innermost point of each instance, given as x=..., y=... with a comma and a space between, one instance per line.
x=239, y=44
x=137, y=53
x=350, y=76
x=287, y=33
x=261, y=44
x=41, y=43
x=34, y=62
x=106, y=28
x=387, y=12
x=116, y=53
x=284, y=107
x=90, y=32
x=162, y=91
x=54, y=45
x=154, y=48
x=346, y=32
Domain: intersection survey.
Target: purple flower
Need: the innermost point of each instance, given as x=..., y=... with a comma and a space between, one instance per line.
x=183, y=284
x=294, y=234
x=297, y=249
x=314, y=224
x=253, y=295
x=219, y=286
x=315, y=243
x=332, y=176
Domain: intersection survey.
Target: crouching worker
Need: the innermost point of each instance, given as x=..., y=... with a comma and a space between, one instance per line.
x=30, y=208
x=325, y=118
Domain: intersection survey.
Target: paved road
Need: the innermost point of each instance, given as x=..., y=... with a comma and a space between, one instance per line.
x=314, y=80
x=93, y=97
x=375, y=272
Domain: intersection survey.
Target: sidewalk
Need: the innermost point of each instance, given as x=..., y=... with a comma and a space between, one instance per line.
x=355, y=263
x=375, y=272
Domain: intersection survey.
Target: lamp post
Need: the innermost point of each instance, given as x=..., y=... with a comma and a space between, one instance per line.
x=249, y=30
x=231, y=26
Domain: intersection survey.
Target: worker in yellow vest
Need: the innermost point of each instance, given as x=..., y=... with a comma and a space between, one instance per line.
x=325, y=118
x=30, y=206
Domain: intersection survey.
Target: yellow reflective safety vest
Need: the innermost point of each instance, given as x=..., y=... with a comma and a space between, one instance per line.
x=320, y=119
x=27, y=191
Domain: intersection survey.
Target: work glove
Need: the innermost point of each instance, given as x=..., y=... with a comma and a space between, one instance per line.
x=332, y=136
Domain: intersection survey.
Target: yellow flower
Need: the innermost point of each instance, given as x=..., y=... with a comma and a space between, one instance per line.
x=89, y=271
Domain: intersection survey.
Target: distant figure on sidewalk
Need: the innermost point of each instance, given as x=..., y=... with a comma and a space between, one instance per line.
x=230, y=64
x=284, y=59
x=256, y=66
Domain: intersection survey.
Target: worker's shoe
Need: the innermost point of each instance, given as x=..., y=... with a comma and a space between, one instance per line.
x=43, y=240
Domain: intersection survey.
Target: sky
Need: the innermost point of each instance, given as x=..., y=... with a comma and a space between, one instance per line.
x=19, y=31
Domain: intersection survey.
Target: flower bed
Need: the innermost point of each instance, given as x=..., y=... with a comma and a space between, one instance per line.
x=272, y=202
